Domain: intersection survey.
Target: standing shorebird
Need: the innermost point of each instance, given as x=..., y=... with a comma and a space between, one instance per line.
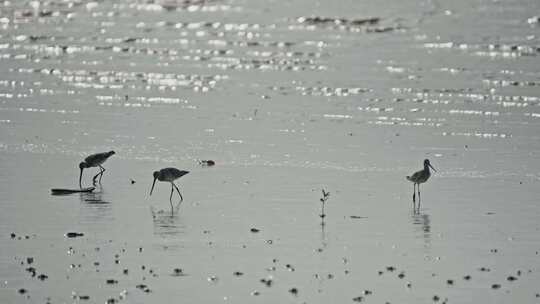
x=169, y=175
x=420, y=177
x=94, y=160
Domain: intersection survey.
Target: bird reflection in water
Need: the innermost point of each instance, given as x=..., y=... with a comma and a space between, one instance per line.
x=92, y=197
x=96, y=209
x=166, y=224
x=324, y=240
x=422, y=225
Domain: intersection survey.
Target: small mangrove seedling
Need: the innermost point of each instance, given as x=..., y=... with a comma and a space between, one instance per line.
x=323, y=199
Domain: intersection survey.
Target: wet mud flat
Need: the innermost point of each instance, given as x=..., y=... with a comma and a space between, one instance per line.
x=118, y=245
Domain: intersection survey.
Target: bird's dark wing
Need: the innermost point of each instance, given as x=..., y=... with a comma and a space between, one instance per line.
x=93, y=158
x=416, y=175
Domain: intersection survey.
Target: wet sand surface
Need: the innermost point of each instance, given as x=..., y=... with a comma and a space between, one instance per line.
x=288, y=99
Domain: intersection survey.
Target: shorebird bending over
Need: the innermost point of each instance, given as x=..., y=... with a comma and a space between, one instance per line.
x=94, y=160
x=420, y=177
x=169, y=175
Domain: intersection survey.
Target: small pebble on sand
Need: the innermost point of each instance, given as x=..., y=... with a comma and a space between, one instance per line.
x=43, y=277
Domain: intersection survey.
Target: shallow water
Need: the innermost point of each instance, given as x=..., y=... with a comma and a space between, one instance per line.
x=288, y=98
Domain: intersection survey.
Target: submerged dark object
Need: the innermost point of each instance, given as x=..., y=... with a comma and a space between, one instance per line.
x=63, y=191
x=358, y=217
x=178, y=271
x=74, y=234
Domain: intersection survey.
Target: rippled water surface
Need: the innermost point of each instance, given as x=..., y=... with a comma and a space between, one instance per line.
x=288, y=98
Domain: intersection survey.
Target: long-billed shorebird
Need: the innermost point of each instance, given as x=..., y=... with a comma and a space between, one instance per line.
x=169, y=175
x=94, y=160
x=420, y=177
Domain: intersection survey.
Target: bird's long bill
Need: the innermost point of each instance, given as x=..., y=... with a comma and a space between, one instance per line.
x=432, y=167
x=80, y=179
x=153, y=186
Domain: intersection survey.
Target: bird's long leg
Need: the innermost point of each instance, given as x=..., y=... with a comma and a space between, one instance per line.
x=414, y=193
x=101, y=170
x=181, y=198
x=170, y=198
x=101, y=173
x=419, y=198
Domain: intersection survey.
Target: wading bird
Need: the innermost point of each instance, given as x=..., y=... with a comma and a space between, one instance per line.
x=169, y=175
x=94, y=160
x=420, y=177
